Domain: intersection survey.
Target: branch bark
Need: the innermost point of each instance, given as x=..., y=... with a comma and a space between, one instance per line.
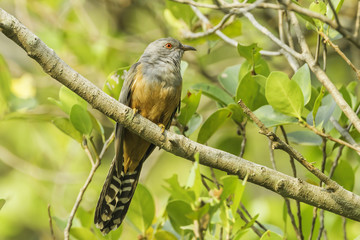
x=339, y=201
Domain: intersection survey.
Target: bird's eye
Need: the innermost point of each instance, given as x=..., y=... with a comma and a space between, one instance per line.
x=168, y=45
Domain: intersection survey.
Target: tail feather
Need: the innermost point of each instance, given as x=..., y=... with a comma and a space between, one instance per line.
x=115, y=198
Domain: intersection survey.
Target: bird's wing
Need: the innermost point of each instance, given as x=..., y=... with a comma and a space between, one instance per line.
x=112, y=189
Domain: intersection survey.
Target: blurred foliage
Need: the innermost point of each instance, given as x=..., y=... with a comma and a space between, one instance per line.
x=43, y=126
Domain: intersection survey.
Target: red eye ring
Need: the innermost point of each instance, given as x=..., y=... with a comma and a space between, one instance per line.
x=168, y=45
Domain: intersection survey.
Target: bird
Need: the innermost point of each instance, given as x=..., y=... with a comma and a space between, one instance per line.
x=152, y=88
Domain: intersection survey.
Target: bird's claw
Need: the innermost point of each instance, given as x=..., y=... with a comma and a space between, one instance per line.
x=135, y=111
x=162, y=126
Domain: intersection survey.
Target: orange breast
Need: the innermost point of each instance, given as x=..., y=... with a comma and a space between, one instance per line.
x=154, y=101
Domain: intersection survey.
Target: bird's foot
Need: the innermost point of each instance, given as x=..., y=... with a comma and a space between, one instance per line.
x=162, y=126
x=135, y=111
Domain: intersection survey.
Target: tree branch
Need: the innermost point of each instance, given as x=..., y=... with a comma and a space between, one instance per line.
x=338, y=200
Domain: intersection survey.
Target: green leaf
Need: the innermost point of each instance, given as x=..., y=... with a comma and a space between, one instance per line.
x=237, y=113
x=97, y=126
x=270, y=117
x=304, y=138
x=65, y=126
x=180, y=11
x=212, y=124
x=247, y=90
x=317, y=104
x=2, y=203
x=114, y=82
x=177, y=192
x=319, y=7
x=193, y=124
x=214, y=93
x=68, y=99
x=261, y=68
x=268, y=235
x=250, y=53
x=284, y=95
x=194, y=179
x=303, y=79
x=177, y=211
x=229, y=79
x=142, y=211
x=81, y=233
x=232, y=188
x=191, y=102
x=164, y=235
x=81, y=120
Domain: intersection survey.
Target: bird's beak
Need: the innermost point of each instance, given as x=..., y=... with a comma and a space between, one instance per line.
x=187, y=48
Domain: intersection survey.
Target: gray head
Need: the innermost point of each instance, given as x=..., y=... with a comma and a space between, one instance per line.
x=168, y=50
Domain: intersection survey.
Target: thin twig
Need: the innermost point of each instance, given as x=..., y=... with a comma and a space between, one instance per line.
x=357, y=22
x=296, y=8
x=341, y=54
x=335, y=13
x=344, y=227
x=292, y=219
x=209, y=31
x=242, y=216
x=86, y=184
x=279, y=144
x=293, y=167
x=50, y=223
x=324, y=135
x=313, y=221
x=224, y=37
x=267, y=33
x=247, y=213
x=322, y=224
x=272, y=158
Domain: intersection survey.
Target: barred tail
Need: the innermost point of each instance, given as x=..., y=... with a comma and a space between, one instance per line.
x=115, y=198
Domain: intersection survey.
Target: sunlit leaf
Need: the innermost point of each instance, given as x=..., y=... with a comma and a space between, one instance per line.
x=178, y=192
x=318, y=103
x=303, y=79
x=250, y=52
x=194, y=179
x=68, y=99
x=284, y=95
x=212, y=124
x=114, y=82
x=190, y=103
x=81, y=120
x=65, y=126
x=247, y=90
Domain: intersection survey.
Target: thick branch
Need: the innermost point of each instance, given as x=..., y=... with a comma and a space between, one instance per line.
x=339, y=201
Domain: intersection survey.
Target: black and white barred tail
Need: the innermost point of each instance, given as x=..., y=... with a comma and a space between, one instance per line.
x=115, y=198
